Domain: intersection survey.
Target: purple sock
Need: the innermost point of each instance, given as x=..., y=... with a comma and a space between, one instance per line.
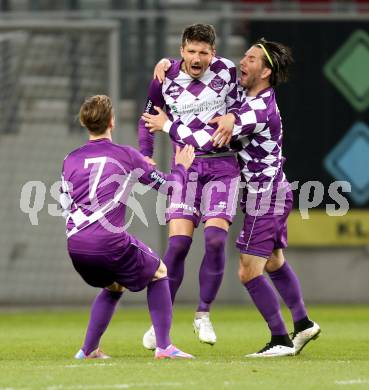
x=160, y=307
x=212, y=266
x=286, y=282
x=174, y=259
x=266, y=301
x=102, y=311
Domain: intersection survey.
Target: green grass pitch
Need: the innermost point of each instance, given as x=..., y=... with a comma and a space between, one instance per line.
x=37, y=349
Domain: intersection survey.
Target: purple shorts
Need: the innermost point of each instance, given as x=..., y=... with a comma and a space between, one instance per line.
x=133, y=268
x=265, y=224
x=211, y=191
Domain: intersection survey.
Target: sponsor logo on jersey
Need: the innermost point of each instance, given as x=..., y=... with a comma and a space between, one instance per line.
x=149, y=106
x=174, y=109
x=183, y=206
x=198, y=107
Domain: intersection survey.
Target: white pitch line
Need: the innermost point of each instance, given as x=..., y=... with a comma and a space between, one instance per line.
x=353, y=382
x=90, y=365
x=117, y=386
x=13, y=388
x=74, y=366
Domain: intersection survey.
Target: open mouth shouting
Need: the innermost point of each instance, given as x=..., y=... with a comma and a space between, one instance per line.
x=196, y=69
x=243, y=76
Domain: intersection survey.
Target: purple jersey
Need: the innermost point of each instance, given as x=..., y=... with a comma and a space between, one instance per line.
x=191, y=104
x=258, y=128
x=267, y=199
x=97, y=180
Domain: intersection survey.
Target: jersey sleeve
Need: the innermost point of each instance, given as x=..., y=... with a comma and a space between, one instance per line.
x=249, y=120
x=182, y=134
x=232, y=101
x=145, y=138
x=146, y=174
x=65, y=199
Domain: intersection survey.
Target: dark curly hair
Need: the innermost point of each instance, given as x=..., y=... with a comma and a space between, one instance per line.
x=281, y=57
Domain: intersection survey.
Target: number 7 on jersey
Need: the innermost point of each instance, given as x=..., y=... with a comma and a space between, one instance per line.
x=95, y=174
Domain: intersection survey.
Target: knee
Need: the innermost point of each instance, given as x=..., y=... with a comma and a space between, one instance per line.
x=214, y=245
x=245, y=274
x=275, y=262
x=271, y=266
x=180, y=246
x=161, y=272
x=250, y=269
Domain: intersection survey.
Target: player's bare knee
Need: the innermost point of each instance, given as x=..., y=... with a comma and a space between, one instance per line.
x=242, y=275
x=250, y=267
x=272, y=265
x=115, y=287
x=275, y=261
x=246, y=274
x=161, y=272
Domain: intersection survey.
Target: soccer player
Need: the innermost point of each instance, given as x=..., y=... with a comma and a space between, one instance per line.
x=96, y=182
x=267, y=197
x=197, y=88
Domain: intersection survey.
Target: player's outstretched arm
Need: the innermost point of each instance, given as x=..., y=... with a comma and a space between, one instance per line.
x=177, y=131
x=246, y=122
x=249, y=121
x=232, y=99
x=155, y=122
x=145, y=138
x=185, y=156
x=146, y=174
x=150, y=160
x=223, y=133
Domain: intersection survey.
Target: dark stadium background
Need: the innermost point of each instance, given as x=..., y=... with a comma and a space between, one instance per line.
x=315, y=114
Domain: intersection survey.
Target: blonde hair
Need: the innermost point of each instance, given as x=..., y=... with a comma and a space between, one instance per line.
x=95, y=113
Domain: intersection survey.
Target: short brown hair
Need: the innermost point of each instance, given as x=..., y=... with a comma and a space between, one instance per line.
x=95, y=113
x=199, y=33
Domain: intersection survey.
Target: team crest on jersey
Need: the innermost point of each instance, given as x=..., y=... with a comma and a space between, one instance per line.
x=217, y=84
